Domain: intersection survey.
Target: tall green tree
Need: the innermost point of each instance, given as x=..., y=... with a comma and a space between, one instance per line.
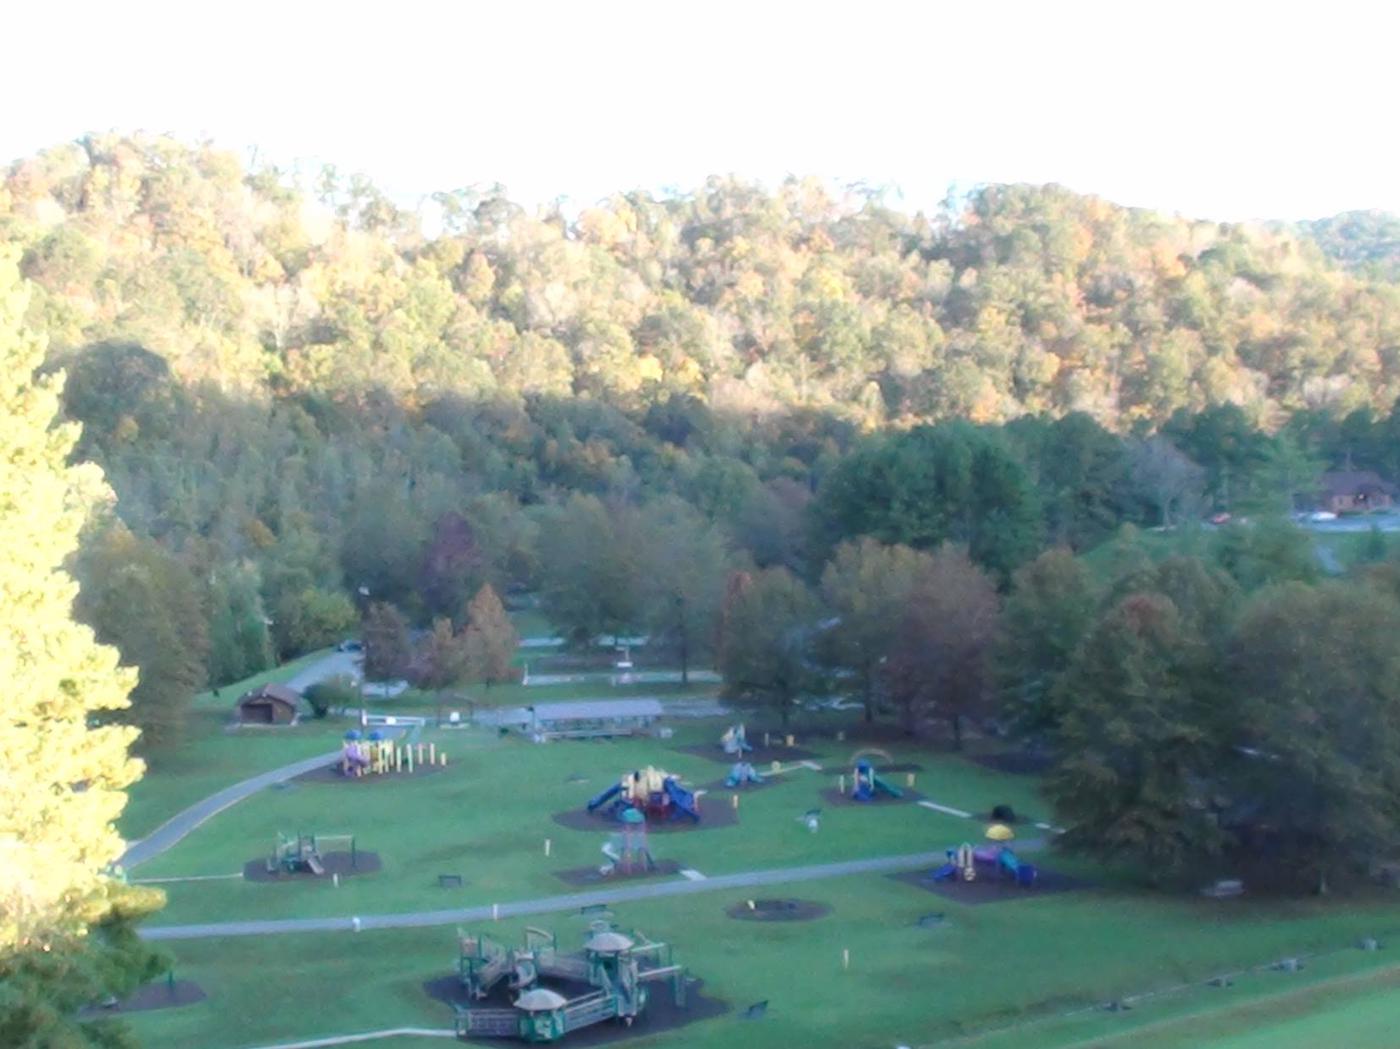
x=868, y=587
x=1318, y=673
x=1052, y=604
x=63, y=922
x=686, y=562
x=765, y=650
x=145, y=602
x=591, y=568
x=240, y=644
x=1141, y=736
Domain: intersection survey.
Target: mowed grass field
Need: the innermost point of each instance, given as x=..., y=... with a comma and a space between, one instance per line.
x=1027, y=971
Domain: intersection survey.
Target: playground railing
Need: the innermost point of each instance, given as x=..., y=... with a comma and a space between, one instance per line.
x=488, y=1022
x=595, y=1008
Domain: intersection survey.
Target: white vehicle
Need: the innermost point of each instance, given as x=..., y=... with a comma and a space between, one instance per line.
x=1322, y=515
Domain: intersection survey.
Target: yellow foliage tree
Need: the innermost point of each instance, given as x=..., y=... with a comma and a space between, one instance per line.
x=61, y=784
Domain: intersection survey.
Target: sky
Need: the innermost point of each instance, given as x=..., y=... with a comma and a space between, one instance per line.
x=1227, y=111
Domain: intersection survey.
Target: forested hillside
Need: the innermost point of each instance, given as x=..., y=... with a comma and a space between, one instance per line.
x=309, y=405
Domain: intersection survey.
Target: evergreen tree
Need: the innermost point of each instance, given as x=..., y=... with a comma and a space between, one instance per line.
x=62, y=921
x=239, y=643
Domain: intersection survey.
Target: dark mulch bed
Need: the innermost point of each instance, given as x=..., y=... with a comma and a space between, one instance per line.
x=661, y=1014
x=366, y=862
x=156, y=995
x=592, y=876
x=778, y=910
x=837, y=798
x=332, y=774
x=991, y=886
x=760, y=757
x=1016, y=762
x=899, y=766
x=715, y=811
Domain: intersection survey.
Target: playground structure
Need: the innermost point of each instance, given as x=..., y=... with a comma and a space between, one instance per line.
x=735, y=742
x=616, y=968
x=655, y=793
x=866, y=784
x=376, y=756
x=304, y=852
x=628, y=851
x=963, y=862
x=741, y=774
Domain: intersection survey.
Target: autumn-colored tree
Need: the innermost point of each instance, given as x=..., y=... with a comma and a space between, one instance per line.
x=683, y=579
x=62, y=920
x=938, y=668
x=441, y=659
x=489, y=639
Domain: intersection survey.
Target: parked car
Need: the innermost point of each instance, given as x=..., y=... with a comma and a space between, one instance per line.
x=350, y=645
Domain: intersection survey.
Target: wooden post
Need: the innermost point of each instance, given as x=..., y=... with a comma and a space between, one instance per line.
x=335, y=881
x=909, y=780
x=546, y=846
x=420, y=753
x=792, y=741
x=734, y=801
x=495, y=912
x=432, y=753
x=845, y=957
x=442, y=760
x=841, y=784
x=765, y=741
x=409, y=749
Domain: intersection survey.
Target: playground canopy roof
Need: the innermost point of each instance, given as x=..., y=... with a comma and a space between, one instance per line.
x=608, y=943
x=541, y=1000
x=553, y=714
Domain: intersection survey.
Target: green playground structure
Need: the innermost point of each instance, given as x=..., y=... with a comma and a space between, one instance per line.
x=304, y=852
x=618, y=968
x=866, y=783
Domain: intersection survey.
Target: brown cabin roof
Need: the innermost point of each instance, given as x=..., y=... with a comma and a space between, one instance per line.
x=1354, y=482
x=276, y=693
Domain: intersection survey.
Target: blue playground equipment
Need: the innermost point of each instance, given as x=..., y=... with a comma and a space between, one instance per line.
x=962, y=866
x=867, y=783
x=742, y=773
x=656, y=794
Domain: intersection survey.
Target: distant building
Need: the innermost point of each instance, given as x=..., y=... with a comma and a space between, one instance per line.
x=581, y=719
x=269, y=705
x=1354, y=491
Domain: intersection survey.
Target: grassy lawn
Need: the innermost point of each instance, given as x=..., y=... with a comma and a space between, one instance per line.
x=1024, y=972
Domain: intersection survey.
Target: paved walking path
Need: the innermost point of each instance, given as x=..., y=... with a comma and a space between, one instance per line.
x=556, y=904
x=175, y=828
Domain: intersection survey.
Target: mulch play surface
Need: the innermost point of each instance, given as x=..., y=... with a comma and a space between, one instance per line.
x=580, y=876
x=760, y=757
x=157, y=995
x=777, y=910
x=880, y=800
x=366, y=862
x=661, y=1014
x=1016, y=762
x=990, y=886
x=332, y=774
x=715, y=811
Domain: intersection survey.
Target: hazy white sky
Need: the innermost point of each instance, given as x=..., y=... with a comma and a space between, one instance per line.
x=1221, y=110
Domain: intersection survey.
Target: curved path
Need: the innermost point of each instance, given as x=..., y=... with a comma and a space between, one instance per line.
x=175, y=828
x=555, y=904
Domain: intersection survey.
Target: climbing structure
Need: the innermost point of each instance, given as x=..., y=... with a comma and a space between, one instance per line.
x=618, y=969
x=653, y=792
